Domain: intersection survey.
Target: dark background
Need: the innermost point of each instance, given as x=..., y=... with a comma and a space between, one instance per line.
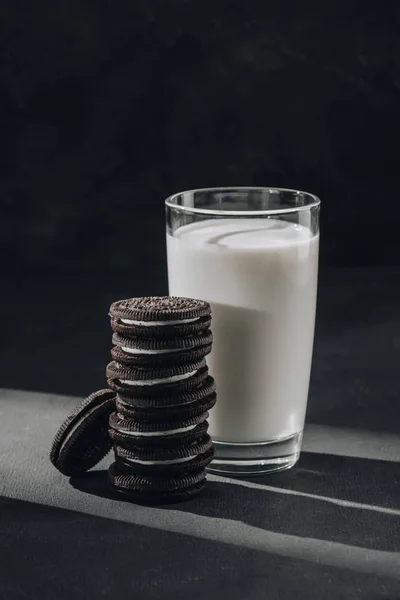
x=108, y=107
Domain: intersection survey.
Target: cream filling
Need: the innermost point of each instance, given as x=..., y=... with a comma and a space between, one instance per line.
x=145, y=351
x=174, y=461
x=172, y=379
x=157, y=323
x=155, y=433
x=180, y=405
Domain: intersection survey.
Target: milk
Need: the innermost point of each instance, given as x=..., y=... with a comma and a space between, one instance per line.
x=260, y=276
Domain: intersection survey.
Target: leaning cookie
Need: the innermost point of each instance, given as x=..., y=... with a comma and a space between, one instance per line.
x=174, y=379
x=82, y=440
x=163, y=316
x=144, y=352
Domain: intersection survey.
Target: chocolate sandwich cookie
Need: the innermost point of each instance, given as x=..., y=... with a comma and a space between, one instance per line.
x=165, y=467
x=163, y=351
x=157, y=380
x=83, y=440
x=140, y=431
x=167, y=398
x=188, y=449
x=162, y=316
x=157, y=490
x=154, y=483
x=158, y=498
x=170, y=414
x=128, y=432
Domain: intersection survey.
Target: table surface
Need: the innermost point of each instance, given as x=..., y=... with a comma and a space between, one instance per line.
x=328, y=528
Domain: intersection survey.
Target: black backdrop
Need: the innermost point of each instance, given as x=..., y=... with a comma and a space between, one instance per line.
x=108, y=107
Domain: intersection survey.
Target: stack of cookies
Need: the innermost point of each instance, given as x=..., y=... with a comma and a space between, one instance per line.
x=163, y=395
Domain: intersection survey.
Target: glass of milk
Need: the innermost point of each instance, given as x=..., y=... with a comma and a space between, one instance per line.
x=253, y=254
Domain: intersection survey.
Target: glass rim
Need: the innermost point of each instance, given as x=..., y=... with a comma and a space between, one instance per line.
x=314, y=201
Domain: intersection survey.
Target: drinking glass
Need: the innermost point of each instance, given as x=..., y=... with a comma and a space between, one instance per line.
x=252, y=253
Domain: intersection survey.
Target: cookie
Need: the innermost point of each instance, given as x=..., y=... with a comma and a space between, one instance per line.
x=160, y=331
x=166, y=466
x=144, y=352
x=155, y=309
x=166, y=397
x=82, y=440
x=158, y=439
x=138, y=428
x=170, y=414
x=143, y=483
x=162, y=316
x=157, y=490
x=157, y=498
x=179, y=449
x=157, y=380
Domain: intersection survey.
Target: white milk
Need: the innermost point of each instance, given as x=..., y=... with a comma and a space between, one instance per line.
x=260, y=276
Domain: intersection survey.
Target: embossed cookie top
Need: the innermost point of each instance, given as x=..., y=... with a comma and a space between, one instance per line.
x=159, y=309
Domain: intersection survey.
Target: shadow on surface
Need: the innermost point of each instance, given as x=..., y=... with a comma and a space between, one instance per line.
x=339, y=479
x=68, y=554
x=94, y=483
x=305, y=512
x=366, y=481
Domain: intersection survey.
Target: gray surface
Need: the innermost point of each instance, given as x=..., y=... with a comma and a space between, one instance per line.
x=333, y=521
